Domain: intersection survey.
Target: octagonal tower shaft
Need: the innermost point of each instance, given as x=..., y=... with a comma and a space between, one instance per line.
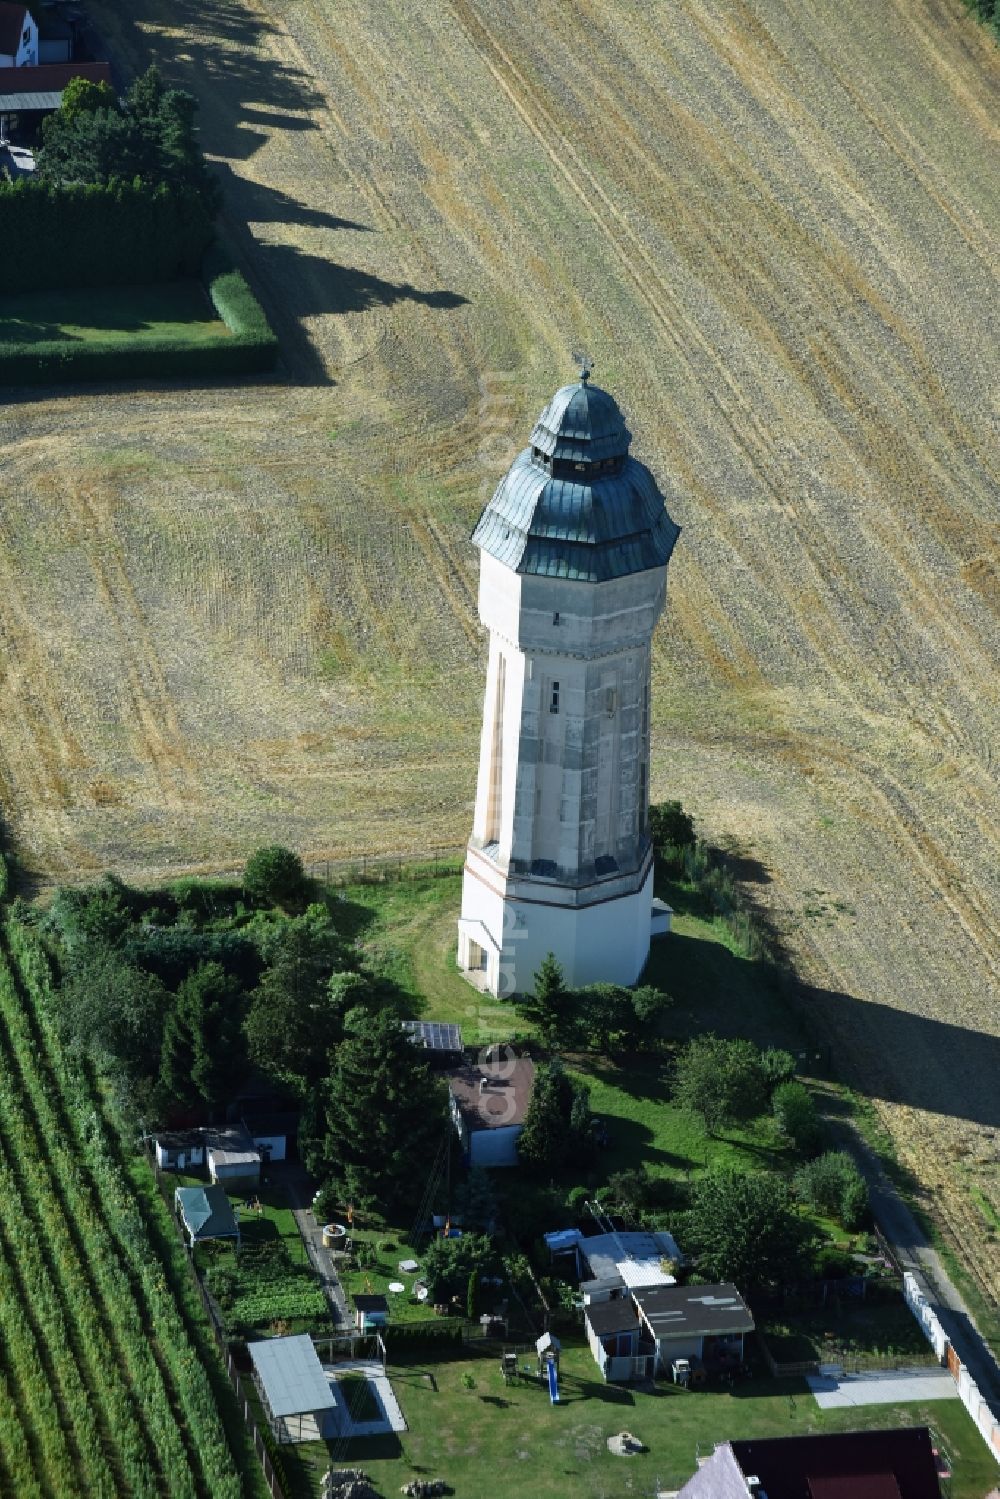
x=575, y=545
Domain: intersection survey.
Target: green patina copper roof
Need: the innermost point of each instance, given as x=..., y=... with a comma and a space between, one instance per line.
x=575, y=504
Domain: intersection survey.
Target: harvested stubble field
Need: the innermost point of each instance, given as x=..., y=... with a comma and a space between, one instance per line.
x=236, y=615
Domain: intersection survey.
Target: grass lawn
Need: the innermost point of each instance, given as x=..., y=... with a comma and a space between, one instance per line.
x=472, y=1436
x=174, y=311
x=643, y=1125
x=388, y=1247
x=407, y=931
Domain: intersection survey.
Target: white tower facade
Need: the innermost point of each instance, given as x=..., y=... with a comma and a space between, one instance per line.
x=574, y=551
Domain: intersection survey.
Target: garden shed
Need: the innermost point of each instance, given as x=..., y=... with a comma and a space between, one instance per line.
x=233, y=1159
x=297, y=1396
x=488, y=1103
x=272, y=1135
x=206, y=1213
x=179, y=1150
x=370, y=1312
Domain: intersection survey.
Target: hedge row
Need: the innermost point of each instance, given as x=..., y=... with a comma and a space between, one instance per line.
x=253, y=348
x=402, y=1335
x=118, y=234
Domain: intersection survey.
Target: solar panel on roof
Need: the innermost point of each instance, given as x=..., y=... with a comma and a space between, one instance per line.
x=435, y=1035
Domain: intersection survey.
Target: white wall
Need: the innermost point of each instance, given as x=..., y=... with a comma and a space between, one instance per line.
x=917, y=1295
x=916, y=1299
x=27, y=51
x=667, y=1349
x=606, y=941
x=277, y=1144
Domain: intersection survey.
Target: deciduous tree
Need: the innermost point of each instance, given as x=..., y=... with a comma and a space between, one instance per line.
x=720, y=1080
x=274, y=874
x=742, y=1227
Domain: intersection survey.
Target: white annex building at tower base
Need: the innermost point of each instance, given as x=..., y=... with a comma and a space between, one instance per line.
x=574, y=550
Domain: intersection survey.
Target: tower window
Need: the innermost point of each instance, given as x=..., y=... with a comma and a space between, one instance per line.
x=554, y=699
x=609, y=701
x=555, y=617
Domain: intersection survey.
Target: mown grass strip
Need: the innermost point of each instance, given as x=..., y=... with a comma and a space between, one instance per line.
x=162, y=347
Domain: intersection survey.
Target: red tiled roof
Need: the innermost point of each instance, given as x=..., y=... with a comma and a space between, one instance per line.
x=857, y=1486
x=12, y=24
x=50, y=77
x=843, y=1465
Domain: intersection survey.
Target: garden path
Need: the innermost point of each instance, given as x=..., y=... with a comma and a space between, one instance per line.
x=298, y=1187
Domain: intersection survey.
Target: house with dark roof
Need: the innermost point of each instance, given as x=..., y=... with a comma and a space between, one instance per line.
x=639, y=1335
x=897, y=1464
x=18, y=36
x=27, y=93
x=488, y=1101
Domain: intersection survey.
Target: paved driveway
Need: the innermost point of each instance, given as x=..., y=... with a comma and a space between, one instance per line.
x=895, y=1387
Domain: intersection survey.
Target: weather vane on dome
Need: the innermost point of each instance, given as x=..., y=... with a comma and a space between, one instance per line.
x=584, y=362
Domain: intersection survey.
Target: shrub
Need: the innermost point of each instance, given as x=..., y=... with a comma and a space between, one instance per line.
x=672, y=830
x=274, y=875
x=834, y=1264
x=5, y=881
x=795, y=1111
x=447, y=1332
x=720, y=1080
x=778, y=1066
x=233, y=300
x=576, y=1200
x=833, y=1184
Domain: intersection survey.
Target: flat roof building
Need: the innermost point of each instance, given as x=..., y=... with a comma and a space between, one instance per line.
x=297, y=1396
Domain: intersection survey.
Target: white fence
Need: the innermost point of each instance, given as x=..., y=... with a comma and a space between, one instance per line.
x=987, y=1420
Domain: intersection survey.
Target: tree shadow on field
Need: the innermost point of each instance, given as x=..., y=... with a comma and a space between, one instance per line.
x=223, y=58
x=914, y=1060
x=258, y=204
x=315, y=285
x=294, y=285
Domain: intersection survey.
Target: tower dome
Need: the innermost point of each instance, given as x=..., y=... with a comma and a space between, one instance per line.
x=575, y=504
